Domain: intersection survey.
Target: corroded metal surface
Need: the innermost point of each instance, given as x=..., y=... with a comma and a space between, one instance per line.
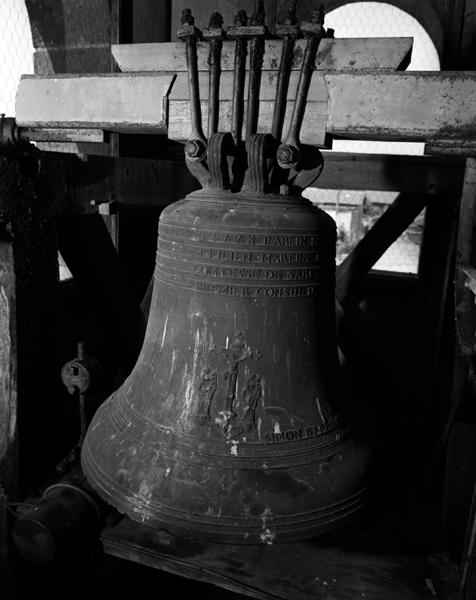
x=230, y=426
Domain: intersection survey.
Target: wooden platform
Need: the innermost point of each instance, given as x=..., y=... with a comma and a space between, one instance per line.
x=312, y=570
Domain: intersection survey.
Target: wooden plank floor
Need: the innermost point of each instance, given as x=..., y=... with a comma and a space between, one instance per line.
x=324, y=569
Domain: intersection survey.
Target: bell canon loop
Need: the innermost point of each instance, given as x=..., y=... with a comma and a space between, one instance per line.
x=233, y=427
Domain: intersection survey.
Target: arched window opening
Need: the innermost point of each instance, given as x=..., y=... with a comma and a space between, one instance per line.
x=356, y=211
x=380, y=19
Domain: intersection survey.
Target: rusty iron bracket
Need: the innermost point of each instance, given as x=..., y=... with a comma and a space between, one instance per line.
x=289, y=153
x=257, y=33
x=79, y=376
x=289, y=32
x=238, y=33
x=196, y=146
x=215, y=34
x=225, y=162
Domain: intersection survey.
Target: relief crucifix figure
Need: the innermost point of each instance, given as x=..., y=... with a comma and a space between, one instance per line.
x=236, y=353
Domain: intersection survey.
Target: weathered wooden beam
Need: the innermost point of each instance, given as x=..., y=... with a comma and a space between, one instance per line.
x=305, y=570
x=78, y=148
x=464, y=301
x=149, y=182
x=317, y=92
x=39, y=134
x=114, y=102
x=345, y=53
x=468, y=564
x=28, y=328
x=417, y=106
x=313, y=128
x=379, y=172
x=413, y=106
x=465, y=317
x=315, y=119
x=451, y=147
x=9, y=468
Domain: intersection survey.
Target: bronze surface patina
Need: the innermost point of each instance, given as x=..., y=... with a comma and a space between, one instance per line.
x=232, y=426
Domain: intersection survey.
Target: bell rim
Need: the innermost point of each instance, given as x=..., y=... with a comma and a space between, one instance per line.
x=231, y=529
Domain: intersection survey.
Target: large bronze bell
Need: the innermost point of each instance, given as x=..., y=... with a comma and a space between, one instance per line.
x=231, y=427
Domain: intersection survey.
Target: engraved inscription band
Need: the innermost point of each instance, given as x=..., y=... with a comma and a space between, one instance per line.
x=256, y=265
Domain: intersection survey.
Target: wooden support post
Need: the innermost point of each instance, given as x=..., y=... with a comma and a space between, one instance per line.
x=89, y=253
x=368, y=374
x=305, y=570
x=8, y=370
x=466, y=348
x=28, y=362
x=3, y=528
x=468, y=565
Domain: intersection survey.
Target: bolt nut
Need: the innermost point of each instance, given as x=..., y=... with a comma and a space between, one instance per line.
x=216, y=20
x=195, y=150
x=288, y=156
x=240, y=19
x=187, y=17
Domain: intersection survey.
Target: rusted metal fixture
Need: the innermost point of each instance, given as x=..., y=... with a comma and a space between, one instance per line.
x=195, y=149
x=78, y=375
x=239, y=33
x=215, y=34
x=66, y=508
x=257, y=32
x=233, y=427
x=289, y=32
x=289, y=154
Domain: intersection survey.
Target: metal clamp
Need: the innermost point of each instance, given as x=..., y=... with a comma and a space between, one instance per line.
x=79, y=376
x=289, y=153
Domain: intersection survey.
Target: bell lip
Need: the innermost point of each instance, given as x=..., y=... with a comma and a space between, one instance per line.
x=230, y=529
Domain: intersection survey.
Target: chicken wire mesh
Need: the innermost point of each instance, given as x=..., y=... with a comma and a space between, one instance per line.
x=16, y=50
x=355, y=212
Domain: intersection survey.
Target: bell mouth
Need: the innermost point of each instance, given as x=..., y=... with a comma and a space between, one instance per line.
x=260, y=525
